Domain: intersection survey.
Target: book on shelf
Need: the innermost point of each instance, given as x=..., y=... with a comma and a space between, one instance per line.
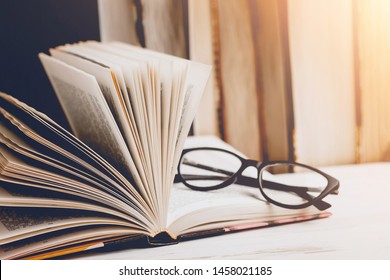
x=110, y=183
x=247, y=96
x=322, y=82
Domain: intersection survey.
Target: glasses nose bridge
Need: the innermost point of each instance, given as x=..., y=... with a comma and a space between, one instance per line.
x=249, y=163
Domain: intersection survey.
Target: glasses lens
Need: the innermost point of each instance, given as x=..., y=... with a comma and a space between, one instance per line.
x=208, y=168
x=291, y=184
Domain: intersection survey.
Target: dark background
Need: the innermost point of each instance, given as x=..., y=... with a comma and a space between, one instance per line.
x=30, y=27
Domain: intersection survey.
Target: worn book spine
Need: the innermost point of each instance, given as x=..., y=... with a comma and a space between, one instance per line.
x=372, y=60
x=249, y=100
x=117, y=21
x=236, y=72
x=201, y=44
x=321, y=51
x=273, y=78
x=137, y=22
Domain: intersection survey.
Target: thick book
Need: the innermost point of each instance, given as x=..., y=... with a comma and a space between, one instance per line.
x=109, y=183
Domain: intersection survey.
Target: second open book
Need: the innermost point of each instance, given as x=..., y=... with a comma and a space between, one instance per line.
x=130, y=110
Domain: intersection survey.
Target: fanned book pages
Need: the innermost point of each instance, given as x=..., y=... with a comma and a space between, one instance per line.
x=110, y=182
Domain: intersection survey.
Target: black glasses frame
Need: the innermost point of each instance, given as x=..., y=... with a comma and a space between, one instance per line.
x=237, y=178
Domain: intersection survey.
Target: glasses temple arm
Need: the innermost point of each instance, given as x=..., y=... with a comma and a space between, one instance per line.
x=300, y=191
x=206, y=167
x=192, y=177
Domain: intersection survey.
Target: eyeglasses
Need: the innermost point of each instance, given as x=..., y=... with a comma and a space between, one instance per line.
x=286, y=184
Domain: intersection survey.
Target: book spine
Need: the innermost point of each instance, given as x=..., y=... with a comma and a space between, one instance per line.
x=371, y=49
x=322, y=81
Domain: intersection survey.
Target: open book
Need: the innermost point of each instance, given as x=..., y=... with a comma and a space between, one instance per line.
x=111, y=184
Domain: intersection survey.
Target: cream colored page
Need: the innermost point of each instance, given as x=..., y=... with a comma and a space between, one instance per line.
x=110, y=77
x=168, y=105
x=173, y=70
x=194, y=78
x=135, y=72
x=11, y=197
x=17, y=223
x=124, y=74
x=237, y=204
x=12, y=141
x=12, y=167
x=184, y=200
x=151, y=86
x=104, y=77
x=193, y=89
x=133, y=98
x=88, y=113
x=179, y=76
x=109, y=87
x=198, y=75
x=150, y=81
x=162, y=101
x=32, y=197
x=195, y=81
x=68, y=137
x=134, y=102
x=150, y=115
x=18, y=168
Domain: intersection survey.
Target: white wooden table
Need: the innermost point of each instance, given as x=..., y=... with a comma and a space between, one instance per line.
x=358, y=229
